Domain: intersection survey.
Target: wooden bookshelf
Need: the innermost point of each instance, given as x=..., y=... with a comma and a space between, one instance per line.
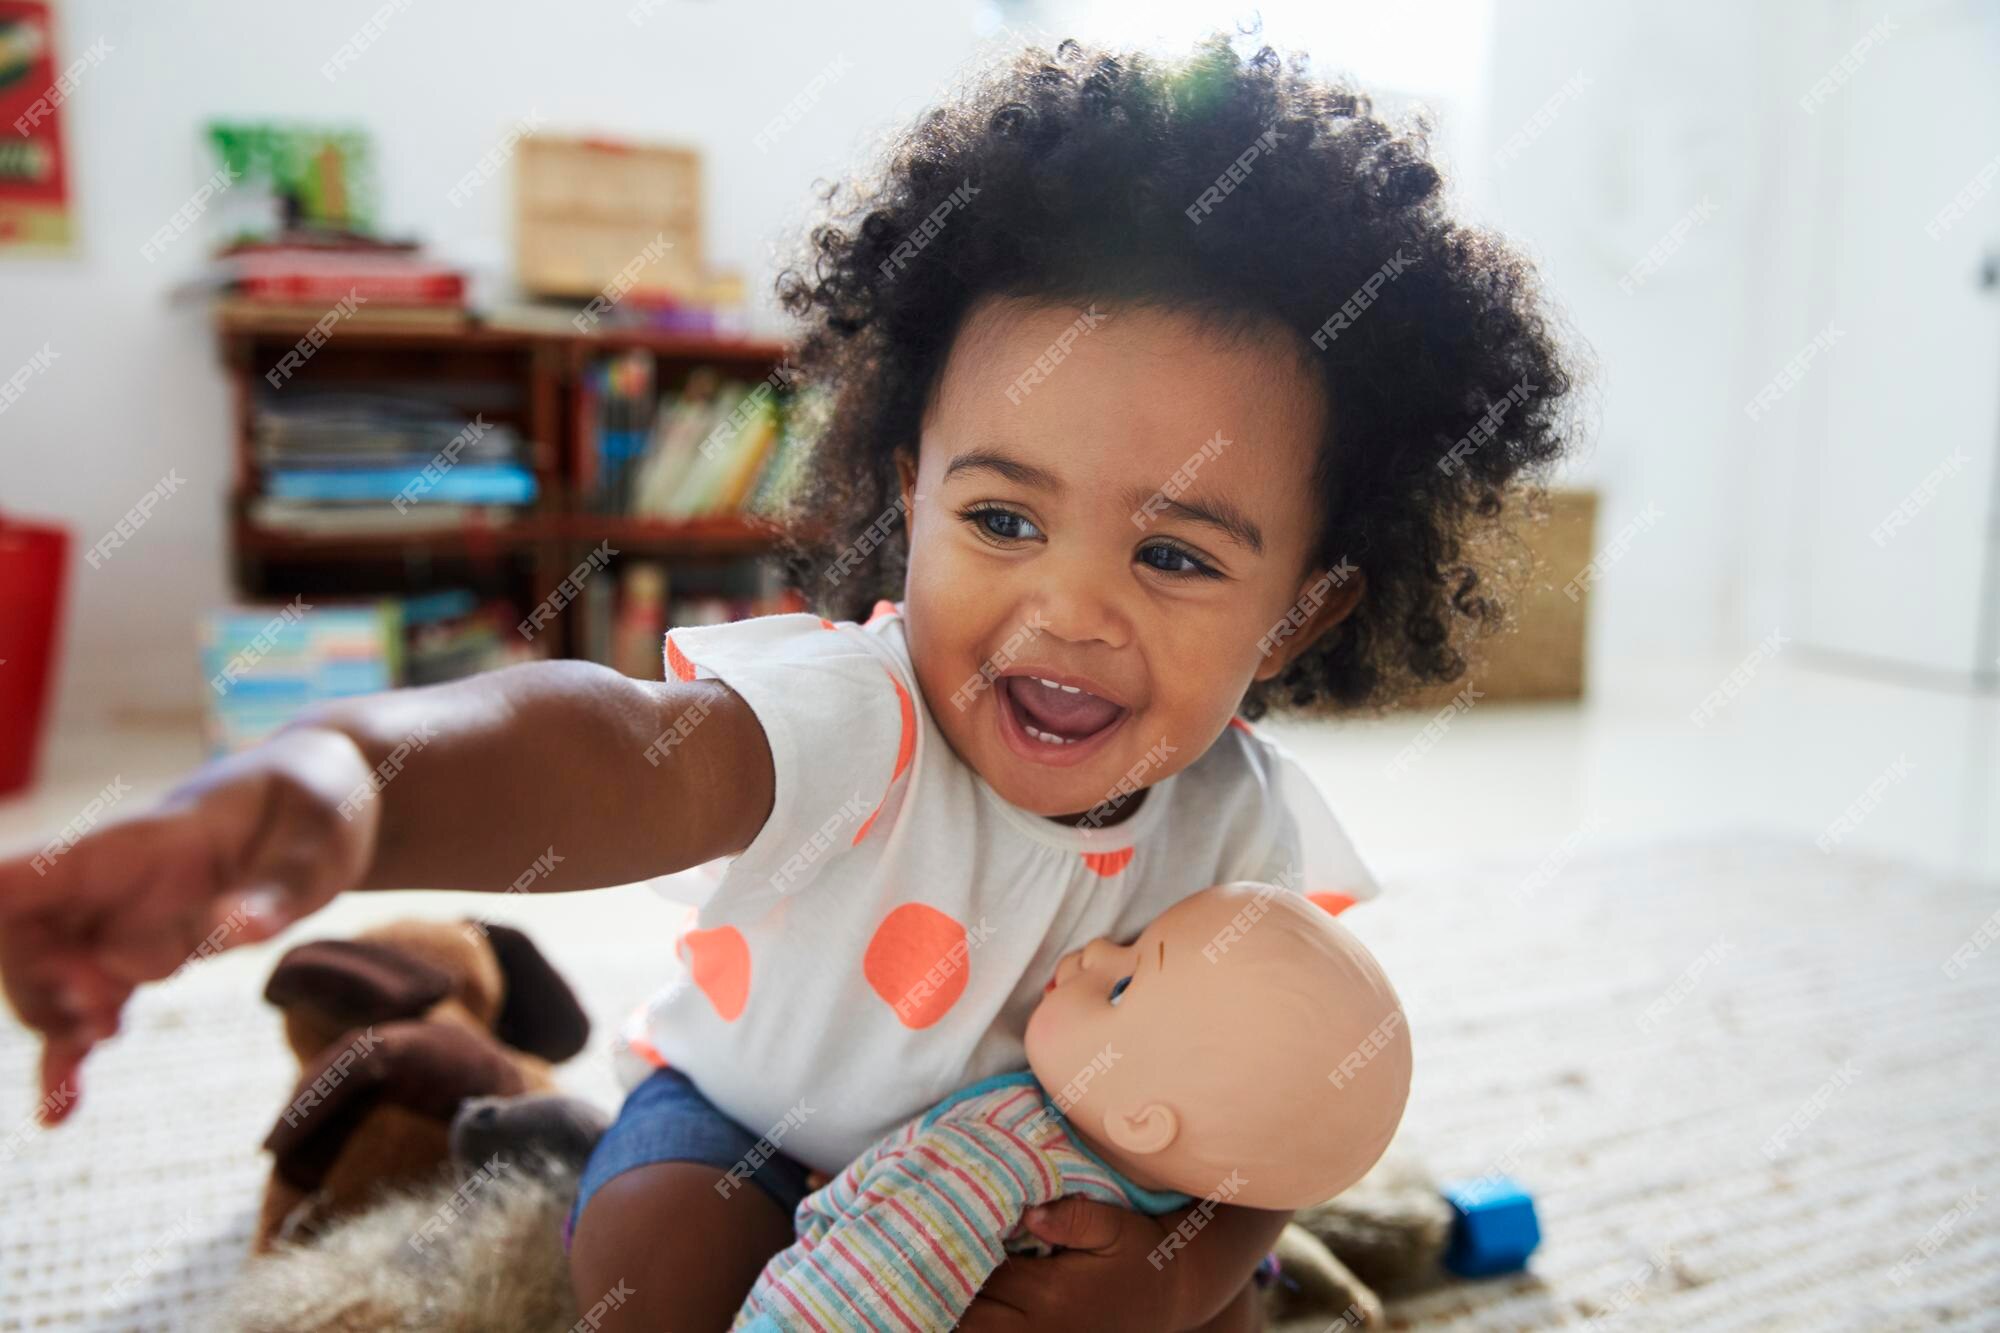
x=529, y=377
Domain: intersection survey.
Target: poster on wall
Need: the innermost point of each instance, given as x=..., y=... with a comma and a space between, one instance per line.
x=35, y=206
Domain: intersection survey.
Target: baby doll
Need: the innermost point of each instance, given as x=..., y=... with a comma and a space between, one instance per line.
x=1245, y=1048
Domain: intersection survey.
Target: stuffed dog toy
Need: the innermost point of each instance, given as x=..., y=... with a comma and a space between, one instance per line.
x=393, y=1031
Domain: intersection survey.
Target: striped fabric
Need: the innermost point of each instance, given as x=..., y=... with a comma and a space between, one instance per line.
x=902, y=1240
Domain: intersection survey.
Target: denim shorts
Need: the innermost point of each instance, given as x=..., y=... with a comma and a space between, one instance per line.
x=666, y=1119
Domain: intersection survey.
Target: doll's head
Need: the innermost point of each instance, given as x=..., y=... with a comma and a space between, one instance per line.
x=1171, y=383
x=1245, y=1044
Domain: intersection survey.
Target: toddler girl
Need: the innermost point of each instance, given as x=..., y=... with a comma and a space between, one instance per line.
x=1162, y=393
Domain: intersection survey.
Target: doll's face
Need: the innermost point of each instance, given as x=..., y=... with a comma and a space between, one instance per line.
x=1216, y=1037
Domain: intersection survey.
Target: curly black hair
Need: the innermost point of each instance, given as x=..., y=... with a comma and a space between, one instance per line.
x=1090, y=168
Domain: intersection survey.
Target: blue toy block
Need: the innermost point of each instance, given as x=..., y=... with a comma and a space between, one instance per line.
x=1493, y=1227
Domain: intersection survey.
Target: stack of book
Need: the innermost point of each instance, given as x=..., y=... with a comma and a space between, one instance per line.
x=715, y=446
x=367, y=464
x=629, y=617
x=266, y=664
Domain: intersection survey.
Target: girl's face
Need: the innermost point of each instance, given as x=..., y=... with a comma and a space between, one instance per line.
x=1110, y=513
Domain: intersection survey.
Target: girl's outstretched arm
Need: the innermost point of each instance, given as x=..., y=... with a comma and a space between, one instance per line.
x=563, y=769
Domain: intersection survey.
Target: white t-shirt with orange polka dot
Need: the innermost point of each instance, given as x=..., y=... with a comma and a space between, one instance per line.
x=881, y=943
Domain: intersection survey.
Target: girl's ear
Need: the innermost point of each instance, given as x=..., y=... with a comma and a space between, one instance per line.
x=1327, y=597
x=1151, y=1130
x=906, y=472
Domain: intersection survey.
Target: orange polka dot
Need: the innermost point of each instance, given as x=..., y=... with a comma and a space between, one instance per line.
x=677, y=661
x=824, y=623
x=1108, y=864
x=1241, y=726
x=1334, y=903
x=917, y=963
x=719, y=962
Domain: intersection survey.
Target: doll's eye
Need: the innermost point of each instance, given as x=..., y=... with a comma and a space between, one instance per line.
x=1118, y=988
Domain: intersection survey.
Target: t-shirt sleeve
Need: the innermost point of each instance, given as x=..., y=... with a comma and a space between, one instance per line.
x=1308, y=850
x=837, y=706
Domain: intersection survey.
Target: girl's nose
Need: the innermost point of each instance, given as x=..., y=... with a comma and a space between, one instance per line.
x=1102, y=953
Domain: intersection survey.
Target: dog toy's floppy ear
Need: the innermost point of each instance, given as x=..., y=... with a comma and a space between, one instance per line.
x=355, y=982
x=539, y=1014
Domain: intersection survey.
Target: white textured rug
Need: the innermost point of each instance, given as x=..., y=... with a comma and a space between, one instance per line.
x=1747, y=1084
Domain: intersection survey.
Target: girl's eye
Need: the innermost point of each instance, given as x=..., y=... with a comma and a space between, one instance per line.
x=1001, y=524
x=1170, y=559
x=1118, y=988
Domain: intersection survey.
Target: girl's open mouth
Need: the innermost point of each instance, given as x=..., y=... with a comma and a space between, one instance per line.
x=1054, y=722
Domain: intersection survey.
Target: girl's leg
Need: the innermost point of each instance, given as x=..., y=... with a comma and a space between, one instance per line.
x=665, y=1250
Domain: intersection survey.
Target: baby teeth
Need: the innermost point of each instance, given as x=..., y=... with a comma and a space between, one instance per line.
x=1066, y=689
x=1045, y=736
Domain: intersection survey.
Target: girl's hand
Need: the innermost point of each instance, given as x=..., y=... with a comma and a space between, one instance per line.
x=247, y=847
x=1102, y=1280
x=1106, y=1278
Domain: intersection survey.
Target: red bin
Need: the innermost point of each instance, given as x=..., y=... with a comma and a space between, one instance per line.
x=33, y=559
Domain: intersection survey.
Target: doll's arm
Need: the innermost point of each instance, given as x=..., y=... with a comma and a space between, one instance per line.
x=918, y=1231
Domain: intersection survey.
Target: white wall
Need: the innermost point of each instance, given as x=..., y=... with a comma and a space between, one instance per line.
x=137, y=389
